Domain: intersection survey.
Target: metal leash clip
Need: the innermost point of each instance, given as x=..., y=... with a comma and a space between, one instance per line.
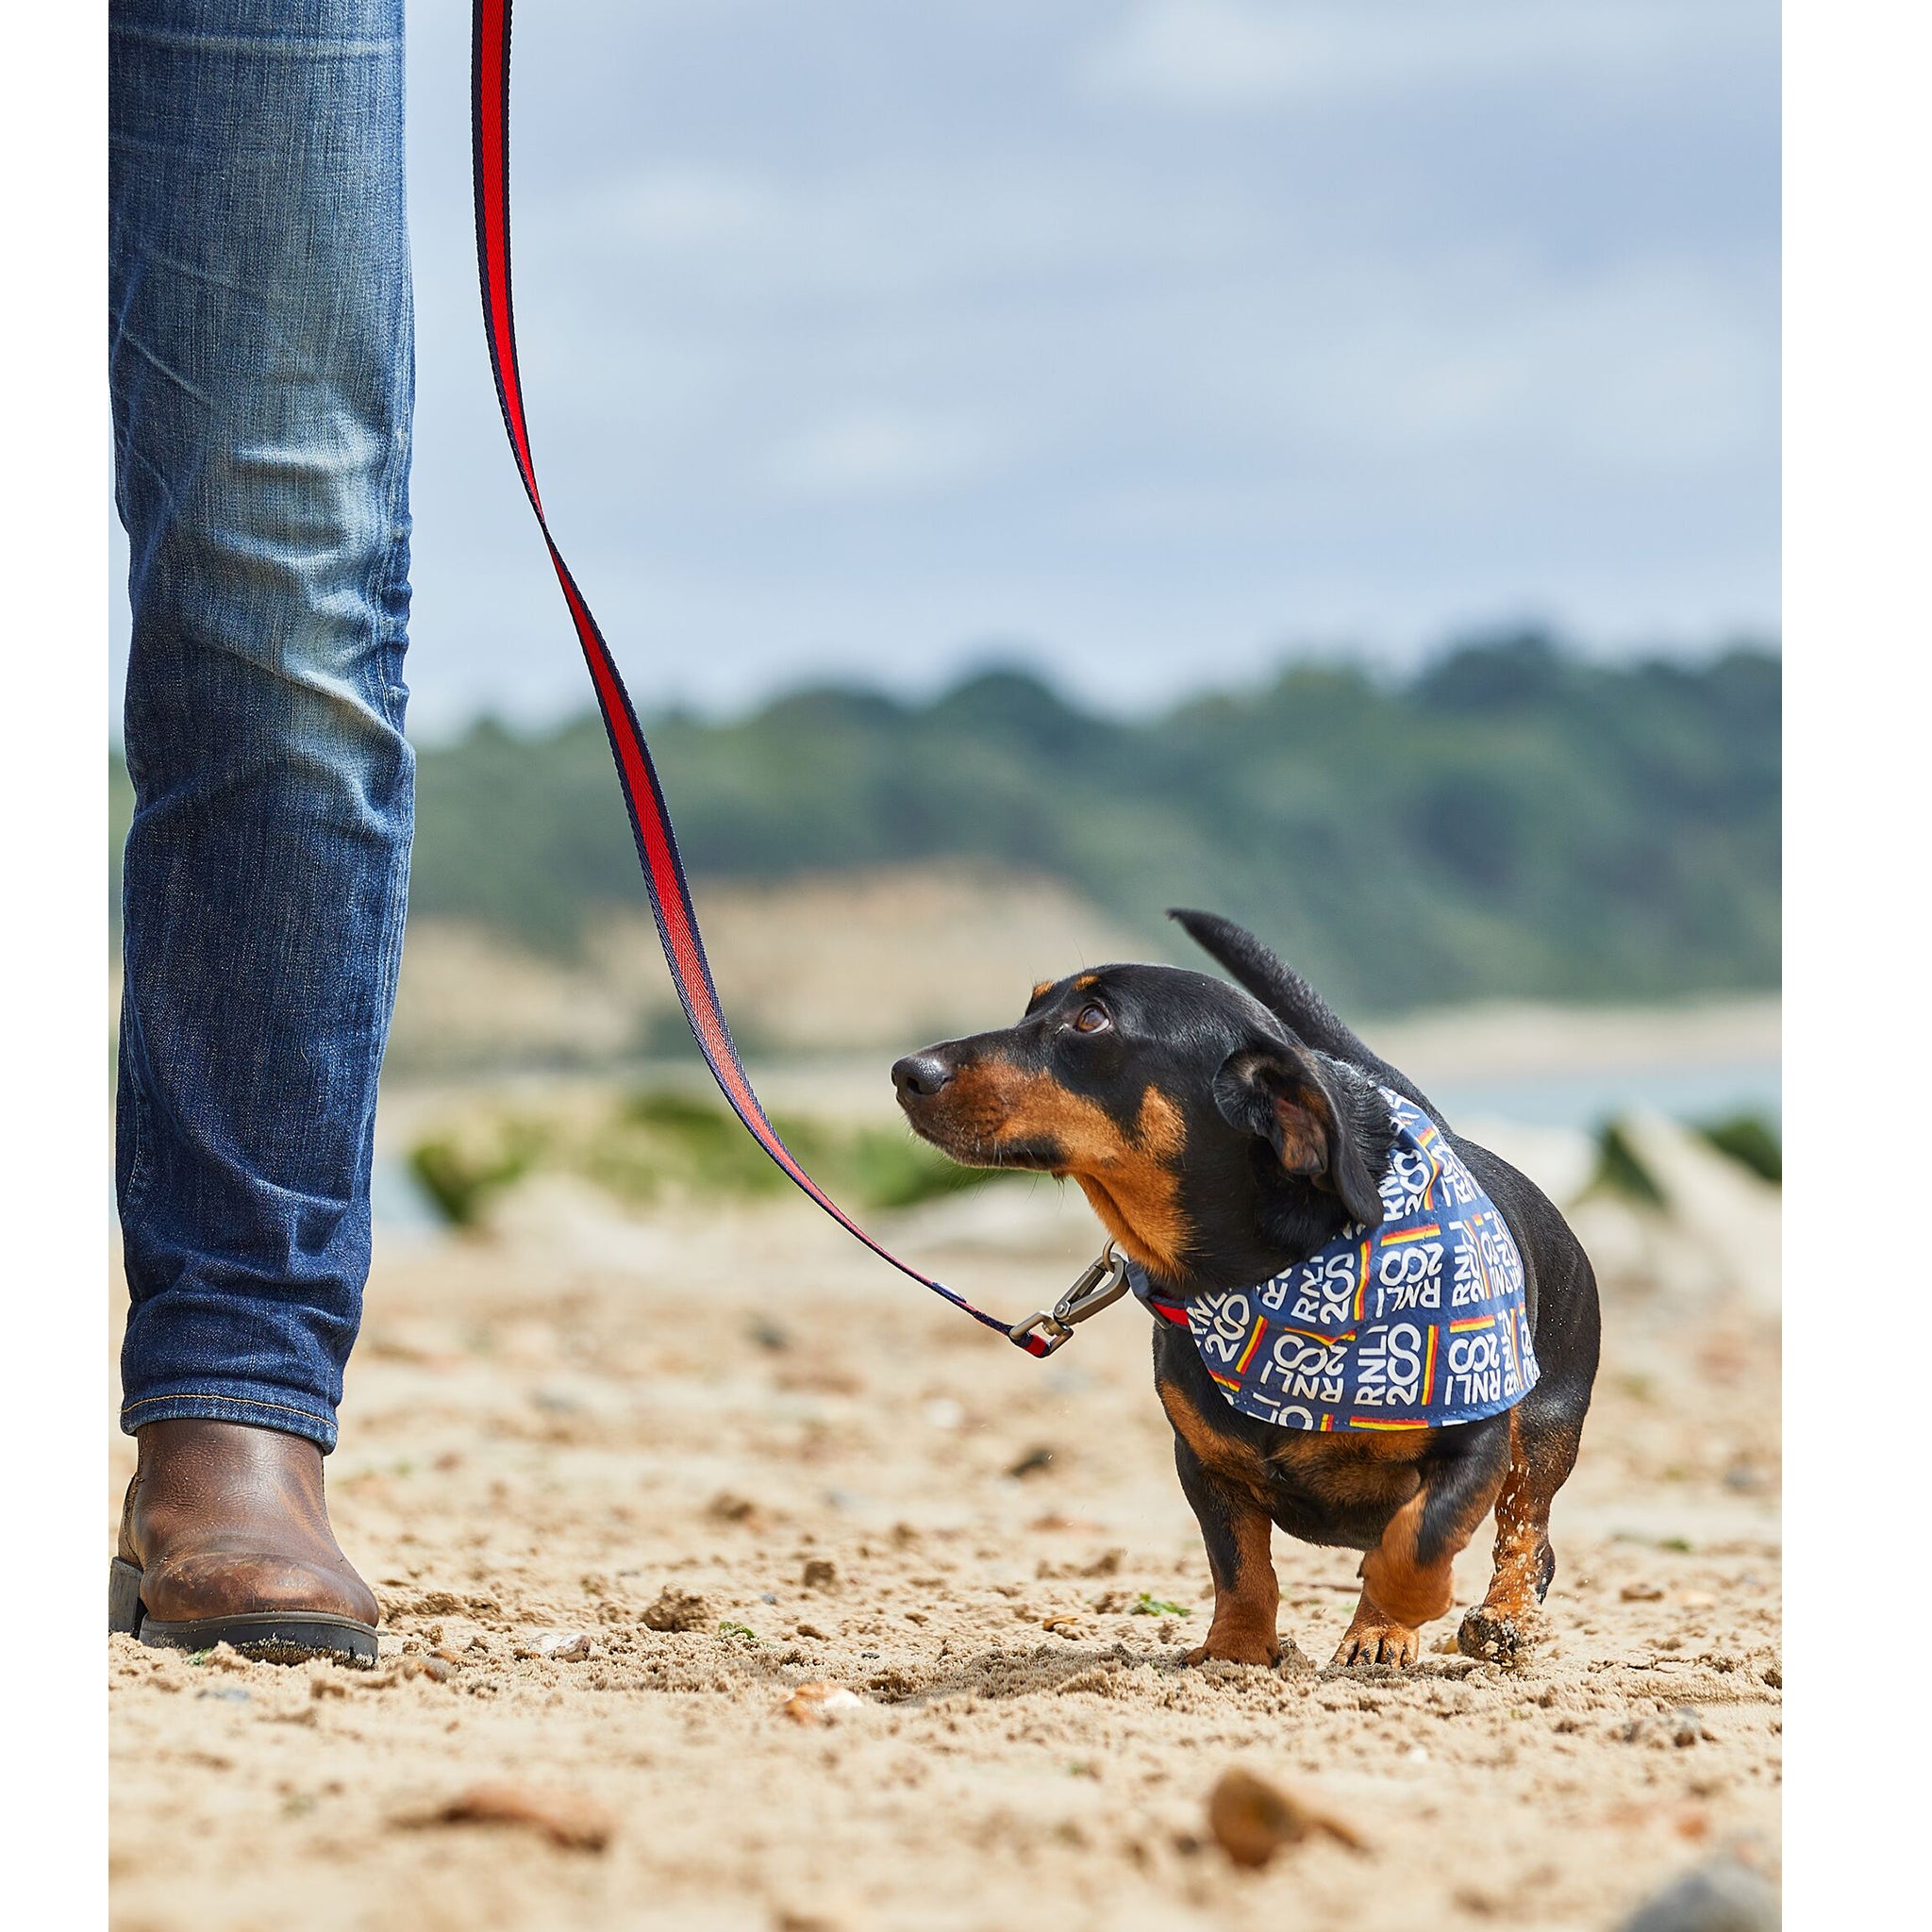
x=1102, y=1284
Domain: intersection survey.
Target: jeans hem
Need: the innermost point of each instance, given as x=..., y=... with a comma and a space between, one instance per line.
x=208, y=1405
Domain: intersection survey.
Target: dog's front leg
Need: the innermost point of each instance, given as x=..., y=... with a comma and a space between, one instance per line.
x=1407, y=1578
x=1237, y=1530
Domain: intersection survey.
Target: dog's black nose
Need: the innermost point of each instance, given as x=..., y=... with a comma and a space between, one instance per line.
x=920, y=1076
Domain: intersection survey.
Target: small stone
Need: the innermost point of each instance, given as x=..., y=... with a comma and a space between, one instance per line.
x=1035, y=1462
x=678, y=1610
x=562, y=1646
x=1641, y=1591
x=1685, y=1726
x=566, y=1818
x=1725, y=1895
x=820, y=1573
x=1252, y=1820
x=820, y=1703
x=1062, y=1625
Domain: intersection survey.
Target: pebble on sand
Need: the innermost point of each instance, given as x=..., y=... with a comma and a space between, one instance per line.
x=1686, y=1726
x=563, y=1646
x=1725, y=1895
x=820, y=1703
x=1252, y=1818
x=566, y=1818
x=439, y=1668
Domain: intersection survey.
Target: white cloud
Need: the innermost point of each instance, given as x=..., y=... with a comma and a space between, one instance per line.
x=1233, y=54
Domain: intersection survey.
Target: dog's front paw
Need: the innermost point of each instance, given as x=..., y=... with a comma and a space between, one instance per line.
x=1494, y=1637
x=1371, y=1642
x=1246, y=1651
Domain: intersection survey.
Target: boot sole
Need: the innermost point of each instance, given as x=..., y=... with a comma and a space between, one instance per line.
x=275, y=1637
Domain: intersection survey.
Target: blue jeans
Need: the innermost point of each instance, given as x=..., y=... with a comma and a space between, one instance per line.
x=262, y=374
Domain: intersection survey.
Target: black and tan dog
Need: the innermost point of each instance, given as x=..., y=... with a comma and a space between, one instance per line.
x=1222, y=1136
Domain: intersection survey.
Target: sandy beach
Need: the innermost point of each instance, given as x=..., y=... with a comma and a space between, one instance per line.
x=625, y=1486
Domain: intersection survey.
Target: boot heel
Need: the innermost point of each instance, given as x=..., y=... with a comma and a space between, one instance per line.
x=123, y=1599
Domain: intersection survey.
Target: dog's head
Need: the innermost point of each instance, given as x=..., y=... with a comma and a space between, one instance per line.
x=1208, y=1140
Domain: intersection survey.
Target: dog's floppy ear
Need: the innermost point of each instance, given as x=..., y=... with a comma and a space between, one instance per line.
x=1286, y=1097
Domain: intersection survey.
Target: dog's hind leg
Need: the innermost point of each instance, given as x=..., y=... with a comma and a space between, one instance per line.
x=1407, y=1577
x=1544, y=1431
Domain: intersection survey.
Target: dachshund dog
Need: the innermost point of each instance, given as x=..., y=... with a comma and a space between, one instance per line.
x=1224, y=1137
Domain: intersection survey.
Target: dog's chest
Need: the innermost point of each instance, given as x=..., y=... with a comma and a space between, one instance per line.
x=1341, y=1477
x=1325, y=1488
x=1339, y=1494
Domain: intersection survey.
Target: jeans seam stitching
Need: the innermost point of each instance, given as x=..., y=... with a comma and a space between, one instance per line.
x=395, y=542
x=140, y=1169
x=214, y=1395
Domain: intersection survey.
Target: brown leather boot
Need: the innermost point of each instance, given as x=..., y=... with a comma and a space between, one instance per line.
x=225, y=1538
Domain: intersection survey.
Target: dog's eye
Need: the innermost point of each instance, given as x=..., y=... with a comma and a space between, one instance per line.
x=1091, y=1019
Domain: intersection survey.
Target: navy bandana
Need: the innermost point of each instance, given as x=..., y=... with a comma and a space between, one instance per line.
x=1409, y=1326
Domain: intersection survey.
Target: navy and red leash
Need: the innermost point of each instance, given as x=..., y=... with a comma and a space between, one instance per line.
x=643, y=797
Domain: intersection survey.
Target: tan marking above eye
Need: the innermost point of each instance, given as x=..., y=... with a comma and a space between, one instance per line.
x=1084, y=980
x=1045, y=986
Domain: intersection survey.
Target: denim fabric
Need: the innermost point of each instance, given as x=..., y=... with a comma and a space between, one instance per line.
x=262, y=377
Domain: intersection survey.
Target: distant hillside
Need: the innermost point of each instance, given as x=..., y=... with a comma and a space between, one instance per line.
x=1513, y=821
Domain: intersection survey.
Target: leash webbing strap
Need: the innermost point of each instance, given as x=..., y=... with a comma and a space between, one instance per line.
x=671, y=902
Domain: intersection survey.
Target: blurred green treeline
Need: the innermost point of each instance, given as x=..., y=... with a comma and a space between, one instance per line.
x=1513, y=820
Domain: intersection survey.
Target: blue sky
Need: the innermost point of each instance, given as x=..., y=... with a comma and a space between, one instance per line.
x=1151, y=340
